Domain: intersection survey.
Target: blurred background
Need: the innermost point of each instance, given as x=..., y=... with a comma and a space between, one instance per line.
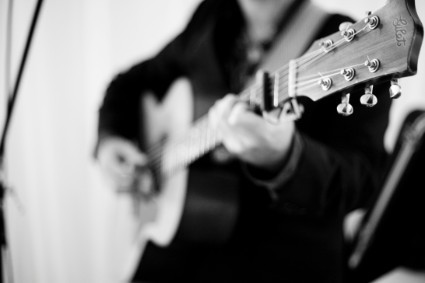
x=60, y=216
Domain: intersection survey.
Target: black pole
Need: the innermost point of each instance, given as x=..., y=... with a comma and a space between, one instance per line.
x=10, y=107
x=12, y=100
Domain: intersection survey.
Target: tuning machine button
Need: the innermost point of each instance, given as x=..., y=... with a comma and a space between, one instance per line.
x=326, y=45
x=325, y=83
x=372, y=65
x=395, y=89
x=368, y=98
x=372, y=21
x=348, y=34
x=348, y=73
x=345, y=108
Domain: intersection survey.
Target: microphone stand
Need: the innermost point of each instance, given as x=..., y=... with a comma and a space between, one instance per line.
x=10, y=107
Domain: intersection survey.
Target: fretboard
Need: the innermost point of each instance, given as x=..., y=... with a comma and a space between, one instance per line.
x=200, y=139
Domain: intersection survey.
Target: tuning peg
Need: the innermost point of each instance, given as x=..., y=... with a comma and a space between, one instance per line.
x=325, y=83
x=348, y=73
x=368, y=98
x=345, y=108
x=372, y=21
x=326, y=45
x=373, y=65
x=395, y=89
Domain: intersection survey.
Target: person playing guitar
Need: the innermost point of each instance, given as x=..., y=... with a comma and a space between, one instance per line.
x=264, y=163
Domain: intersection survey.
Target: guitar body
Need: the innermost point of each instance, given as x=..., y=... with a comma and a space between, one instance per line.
x=194, y=206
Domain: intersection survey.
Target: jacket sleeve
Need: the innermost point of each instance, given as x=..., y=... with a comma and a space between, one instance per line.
x=337, y=166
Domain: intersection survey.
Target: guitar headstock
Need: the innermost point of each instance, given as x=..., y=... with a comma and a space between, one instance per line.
x=382, y=46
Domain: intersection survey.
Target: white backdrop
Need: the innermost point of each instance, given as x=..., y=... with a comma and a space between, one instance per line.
x=59, y=214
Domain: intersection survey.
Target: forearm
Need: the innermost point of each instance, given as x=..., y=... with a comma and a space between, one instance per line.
x=317, y=179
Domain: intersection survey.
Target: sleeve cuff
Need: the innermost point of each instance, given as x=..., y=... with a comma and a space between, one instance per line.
x=272, y=183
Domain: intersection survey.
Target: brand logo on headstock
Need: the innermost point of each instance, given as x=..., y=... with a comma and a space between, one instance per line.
x=400, y=30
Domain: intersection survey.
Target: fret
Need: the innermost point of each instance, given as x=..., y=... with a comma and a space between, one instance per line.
x=198, y=141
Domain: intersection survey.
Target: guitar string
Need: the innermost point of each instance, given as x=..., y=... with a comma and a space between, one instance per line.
x=304, y=80
x=157, y=151
x=370, y=50
x=320, y=51
x=188, y=156
x=314, y=77
x=158, y=147
x=302, y=59
x=207, y=143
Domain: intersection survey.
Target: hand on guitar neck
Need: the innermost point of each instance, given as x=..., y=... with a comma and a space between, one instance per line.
x=250, y=137
x=125, y=166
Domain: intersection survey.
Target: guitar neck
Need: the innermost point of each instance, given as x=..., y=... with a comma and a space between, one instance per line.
x=382, y=46
x=200, y=139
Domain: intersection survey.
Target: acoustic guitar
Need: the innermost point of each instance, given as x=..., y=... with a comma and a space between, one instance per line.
x=383, y=46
